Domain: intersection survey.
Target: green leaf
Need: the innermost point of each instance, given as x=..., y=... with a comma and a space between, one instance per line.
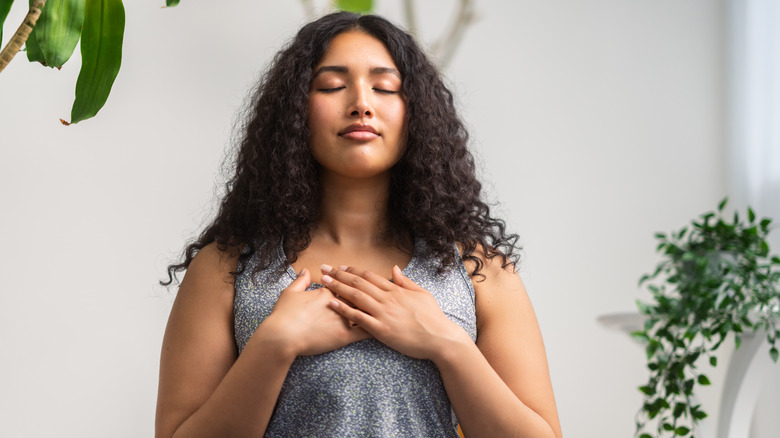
x=713, y=361
x=764, y=250
x=359, y=6
x=647, y=390
x=645, y=435
x=773, y=354
x=5, y=6
x=651, y=348
x=679, y=408
x=640, y=336
x=682, y=430
x=703, y=380
x=171, y=3
x=101, y=56
x=33, y=50
x=58, y=30
x=723, y=203
x=688, y=387
x=737, y=342
x=751, y=215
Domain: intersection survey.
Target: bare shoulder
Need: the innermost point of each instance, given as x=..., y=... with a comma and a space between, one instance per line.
x=213, y=266
x=496, y=284
x=207, y=287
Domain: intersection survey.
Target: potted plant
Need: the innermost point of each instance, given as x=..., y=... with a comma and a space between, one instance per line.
x=715, y=279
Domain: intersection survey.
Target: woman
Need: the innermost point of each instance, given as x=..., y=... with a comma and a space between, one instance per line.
x=295, y=318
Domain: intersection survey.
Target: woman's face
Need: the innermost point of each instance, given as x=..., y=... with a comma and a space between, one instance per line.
x=357, y=114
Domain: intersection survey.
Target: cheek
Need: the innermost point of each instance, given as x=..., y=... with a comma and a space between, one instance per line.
x=397, y=116
x=319, y=115
x=314, y=117
x=400, y=121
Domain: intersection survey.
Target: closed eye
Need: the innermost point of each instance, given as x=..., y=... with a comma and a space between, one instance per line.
x=383, y=91
x=330, y=90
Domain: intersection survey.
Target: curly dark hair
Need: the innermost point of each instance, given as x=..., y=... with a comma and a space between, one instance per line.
x=273, y=197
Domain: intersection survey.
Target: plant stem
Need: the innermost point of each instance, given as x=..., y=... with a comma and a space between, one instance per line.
x=17, y=40
x=411, y=17
x=445, y=46
x=308, y=10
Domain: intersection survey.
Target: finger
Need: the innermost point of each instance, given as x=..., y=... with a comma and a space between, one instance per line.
x=328, y=269
x=357, y=281
x=352, y=270
x=355, y=295
x=403, y=281
x=334, y=295
x=344, y=300
x=302, y=281
x=379, y=281
x=361, y=319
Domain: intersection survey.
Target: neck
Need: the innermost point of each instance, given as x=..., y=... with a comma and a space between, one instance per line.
x=354, y=212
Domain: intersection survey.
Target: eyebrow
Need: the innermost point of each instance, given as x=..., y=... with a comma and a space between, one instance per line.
x=344, y=70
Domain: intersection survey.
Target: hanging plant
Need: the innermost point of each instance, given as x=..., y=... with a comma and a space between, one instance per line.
x=716, y=279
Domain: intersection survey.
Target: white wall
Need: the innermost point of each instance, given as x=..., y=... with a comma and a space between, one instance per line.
x=597, y=123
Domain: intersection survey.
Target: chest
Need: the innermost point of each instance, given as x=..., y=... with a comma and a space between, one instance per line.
x=379, y=260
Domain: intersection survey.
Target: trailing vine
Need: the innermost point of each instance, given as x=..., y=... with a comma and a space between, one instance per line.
x=716, y=279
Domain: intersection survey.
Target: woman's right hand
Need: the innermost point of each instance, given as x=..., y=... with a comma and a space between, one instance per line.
x=302, y=321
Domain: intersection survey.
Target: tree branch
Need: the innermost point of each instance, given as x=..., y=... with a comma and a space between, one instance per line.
x=445, y=46
x=308, y=10
x=17, y=40
x=411, y=18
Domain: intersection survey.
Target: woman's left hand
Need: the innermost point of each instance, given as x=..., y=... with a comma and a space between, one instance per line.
x=400, y=314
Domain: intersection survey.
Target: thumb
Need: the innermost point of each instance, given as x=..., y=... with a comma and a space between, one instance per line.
x=402, y=280
x=302, y=281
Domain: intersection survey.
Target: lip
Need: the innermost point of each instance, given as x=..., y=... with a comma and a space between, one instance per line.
x=359, y=130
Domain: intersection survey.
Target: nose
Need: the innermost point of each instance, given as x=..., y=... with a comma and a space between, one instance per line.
x=361, y=102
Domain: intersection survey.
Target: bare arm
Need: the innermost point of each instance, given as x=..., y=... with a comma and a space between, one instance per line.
x=206, y=389
x=498, y=387
x=502, y=386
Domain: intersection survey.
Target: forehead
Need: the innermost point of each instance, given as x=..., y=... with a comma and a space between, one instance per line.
x=356, y=49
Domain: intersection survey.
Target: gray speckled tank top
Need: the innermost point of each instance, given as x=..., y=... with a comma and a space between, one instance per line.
x=365, y=389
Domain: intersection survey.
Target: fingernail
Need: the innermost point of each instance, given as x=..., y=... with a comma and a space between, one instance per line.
x=343, y=267
x=303, y=271
x=326, y=268
x=326, y=279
